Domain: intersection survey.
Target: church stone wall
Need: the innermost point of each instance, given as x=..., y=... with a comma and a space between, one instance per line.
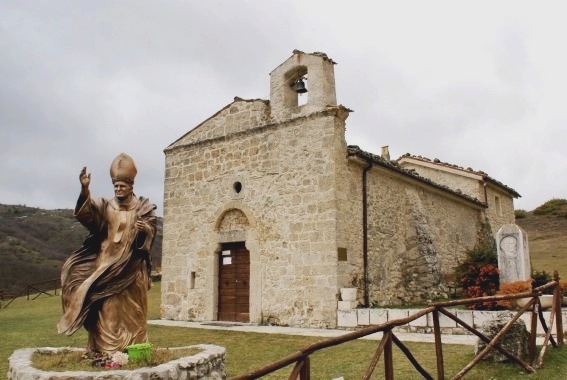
x=287, y=213
x=416, y=235
x=239, y=116
x=499, y=215
x=349, y=226
x=500, y=203
x=469, y=186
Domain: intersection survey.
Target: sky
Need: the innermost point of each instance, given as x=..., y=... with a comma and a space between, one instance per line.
x=479, y=84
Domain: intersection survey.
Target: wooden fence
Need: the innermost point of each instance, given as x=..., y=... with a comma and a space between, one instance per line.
x=301, y=359
x=32, y=291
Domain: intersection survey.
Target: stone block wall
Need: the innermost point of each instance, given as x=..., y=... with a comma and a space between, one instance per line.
x=465, y=181
x=288, y=201
x=239, y=116
x=416, y=235
x=504, y=214
x=360, y=318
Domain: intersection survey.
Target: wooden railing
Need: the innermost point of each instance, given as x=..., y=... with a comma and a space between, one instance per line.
x=301, y=358
x=32, y=291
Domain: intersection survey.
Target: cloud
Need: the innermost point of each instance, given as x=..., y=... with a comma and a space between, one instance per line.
x=477, y=84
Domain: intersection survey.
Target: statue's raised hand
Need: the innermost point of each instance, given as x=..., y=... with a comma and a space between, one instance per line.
x=85, y=178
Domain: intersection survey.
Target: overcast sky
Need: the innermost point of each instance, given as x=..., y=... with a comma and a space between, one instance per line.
x=479, y=84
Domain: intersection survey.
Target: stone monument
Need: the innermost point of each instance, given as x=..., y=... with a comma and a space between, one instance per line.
x=513, y=254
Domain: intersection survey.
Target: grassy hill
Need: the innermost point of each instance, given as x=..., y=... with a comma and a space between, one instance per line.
x=546, y=227
x=34, y=243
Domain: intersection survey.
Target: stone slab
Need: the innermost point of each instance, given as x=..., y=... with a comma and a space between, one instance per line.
x=378, y=316
x=466, y=316
x=347, y=318
x=444, y=321
x=363, y=317
x=397, y=314
x=347, y=305
x=419, y=322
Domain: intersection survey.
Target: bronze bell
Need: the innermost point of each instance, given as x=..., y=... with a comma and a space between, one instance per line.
x=299, y=86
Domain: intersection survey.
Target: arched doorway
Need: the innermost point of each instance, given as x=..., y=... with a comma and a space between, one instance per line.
x=233, y=268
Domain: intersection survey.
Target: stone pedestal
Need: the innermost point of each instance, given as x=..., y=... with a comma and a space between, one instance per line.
x=207, y=364
x=514, y=341
x=513, y=254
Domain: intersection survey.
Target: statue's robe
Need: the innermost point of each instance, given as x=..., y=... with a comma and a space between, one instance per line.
x=105, y=282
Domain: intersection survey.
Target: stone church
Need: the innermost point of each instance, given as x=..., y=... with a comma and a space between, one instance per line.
x=268, y=212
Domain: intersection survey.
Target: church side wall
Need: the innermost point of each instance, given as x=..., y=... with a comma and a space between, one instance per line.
x=349, y=227
x=499, y=215
x=415, y=236
x=287, y=173
x=468, y=186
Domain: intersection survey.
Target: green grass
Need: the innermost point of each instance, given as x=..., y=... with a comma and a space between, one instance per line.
x=75, y=360
x=33, y=324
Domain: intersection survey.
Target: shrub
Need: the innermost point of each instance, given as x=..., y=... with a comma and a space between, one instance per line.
x=513, y=288
x=563, y=287
x=478, y=275
x=520, y=214
x=541, y=278
x=552, y=206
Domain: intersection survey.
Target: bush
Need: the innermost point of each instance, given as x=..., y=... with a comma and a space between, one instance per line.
x=563, y=287
x=478, y=275
x=541, y=278
x=513, y=288
x=552, y=206
x=520, y=214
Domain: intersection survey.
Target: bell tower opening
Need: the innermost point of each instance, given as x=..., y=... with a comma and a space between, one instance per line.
x=298, y=93
x=303, y=83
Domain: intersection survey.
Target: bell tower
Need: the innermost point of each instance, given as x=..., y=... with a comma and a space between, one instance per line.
x=317, y=70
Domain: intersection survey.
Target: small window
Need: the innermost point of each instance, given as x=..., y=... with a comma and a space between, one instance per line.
x=342, y=254
x=498, y=205
x=237, y=187
x=192, y=280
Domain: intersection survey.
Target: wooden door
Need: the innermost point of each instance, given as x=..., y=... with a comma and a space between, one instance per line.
x=234, y=283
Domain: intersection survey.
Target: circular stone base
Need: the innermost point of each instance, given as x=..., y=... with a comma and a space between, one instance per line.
x=207, y=364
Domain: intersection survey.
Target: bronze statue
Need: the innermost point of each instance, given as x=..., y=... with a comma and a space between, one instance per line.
x=105, y=282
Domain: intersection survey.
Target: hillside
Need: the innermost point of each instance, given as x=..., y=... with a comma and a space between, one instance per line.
x=34, y=243
x=546, y=227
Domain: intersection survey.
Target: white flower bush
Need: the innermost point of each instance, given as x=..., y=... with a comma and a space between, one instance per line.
x=120, y=357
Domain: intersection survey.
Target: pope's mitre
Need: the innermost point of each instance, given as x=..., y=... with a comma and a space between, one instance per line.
x=123, y=168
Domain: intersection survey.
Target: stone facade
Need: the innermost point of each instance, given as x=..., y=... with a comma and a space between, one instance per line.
x=284, y=212
x=279, y=178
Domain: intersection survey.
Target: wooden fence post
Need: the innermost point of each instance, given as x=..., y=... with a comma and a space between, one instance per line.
x=388, y=358
x=438, y=345
x=533, y=333
x=557, y=298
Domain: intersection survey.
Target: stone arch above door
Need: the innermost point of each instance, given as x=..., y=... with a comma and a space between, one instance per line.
x=234, y=217
x=233, y=220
